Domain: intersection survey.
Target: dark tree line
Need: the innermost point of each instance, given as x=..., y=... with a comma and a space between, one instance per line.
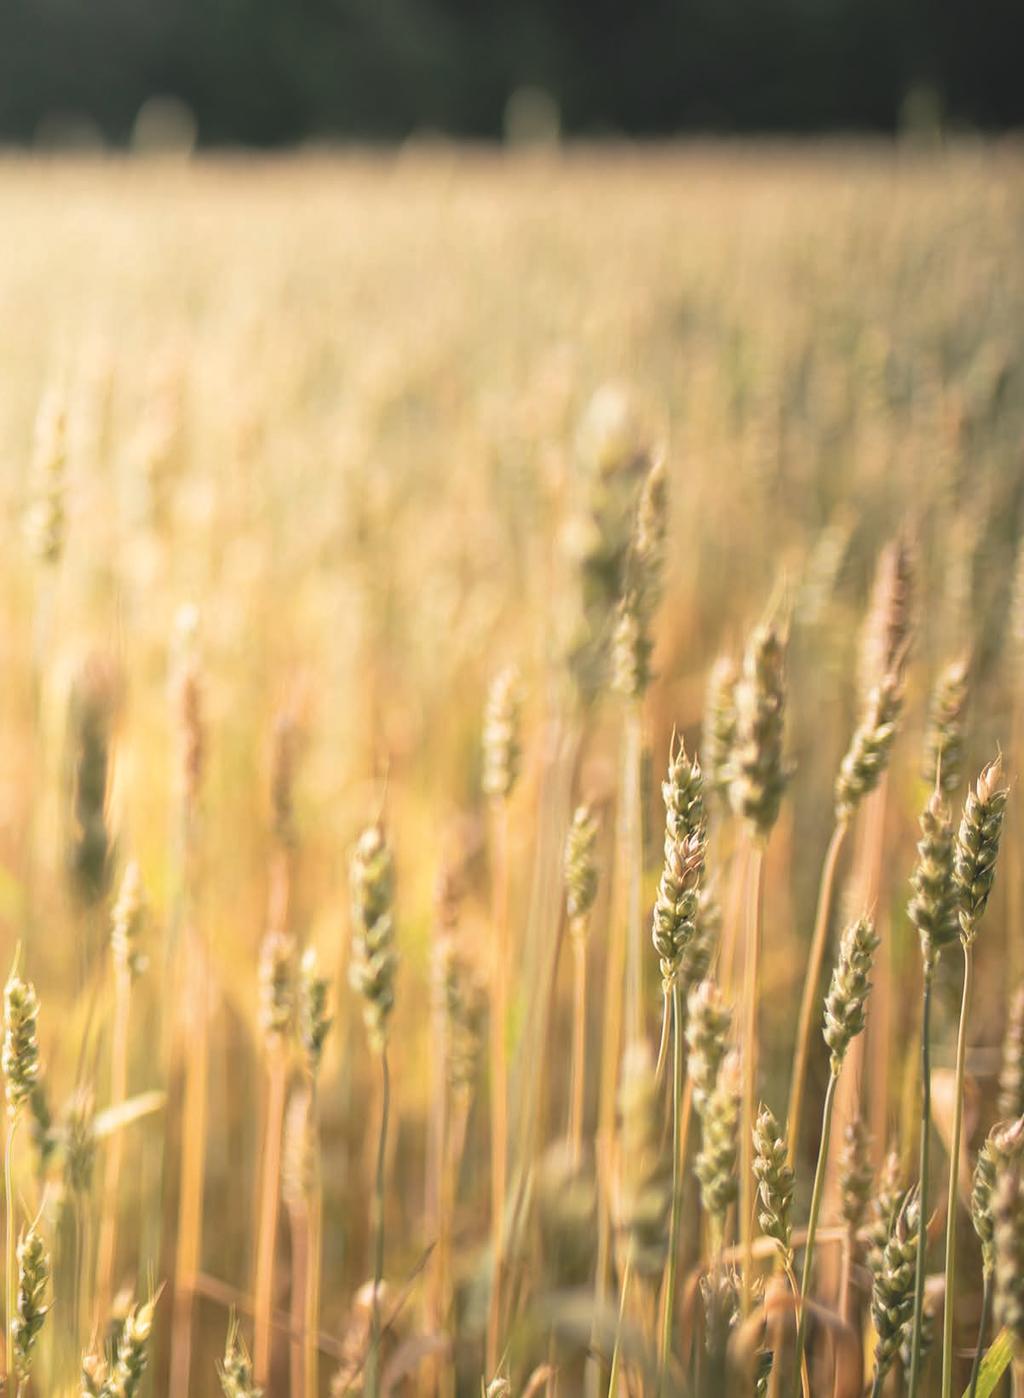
x=269, y=71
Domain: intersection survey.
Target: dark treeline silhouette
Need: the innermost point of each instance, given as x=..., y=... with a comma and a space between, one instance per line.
x=273, y=71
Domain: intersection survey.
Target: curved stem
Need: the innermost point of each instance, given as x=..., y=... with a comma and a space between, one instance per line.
x=926, y=1118
x=787, y=1267
x=805, y=1024
x=812, y=1221
x=677, y=1187
x=373, y=1359
x=986, y=1311
x=954, y=1176
x=878, y=1381
x=751, y=979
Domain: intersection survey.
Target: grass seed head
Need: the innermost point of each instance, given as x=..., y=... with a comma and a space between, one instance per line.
x=677, y=905
x=1008, y=1243
x=235, y=1370
x=313, y=1021
x=580, y=867
x=502, y=743
x=631, y=643
x=1011, y=1076
x=892, y=1294
x=20, y=1058
x=708, y=1023
x=855, y=1175
x=645, y=1185
x=277, y=984
x=885, y=1206
x=758, y=775
x=933, y=904
x=868, y=755
x=846, y=1001
x=716, y=1162
x=775, y=1181
x=1001, y=1149
x=977, y=847
x=30, y=1307
x=719, y=730
x=374, y=959
x=945, y=734
x=79, y=1134
x=128, y=920
x=46, y=525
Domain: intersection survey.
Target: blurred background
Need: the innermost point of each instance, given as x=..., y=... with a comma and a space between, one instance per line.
x=272, y=72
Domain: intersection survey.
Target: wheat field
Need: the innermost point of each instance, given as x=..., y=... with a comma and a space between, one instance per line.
x=375, y=525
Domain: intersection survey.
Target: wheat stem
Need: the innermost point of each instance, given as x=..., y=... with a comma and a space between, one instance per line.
x=373, y=1358
x=311, y=1320
x=954, y=1174
x=270, y=1192
x=812, y=1222
x=499, y=1075
x=926, y=1114
x=986, y=1311
x=632, y=833
x=751, y=979
x=579, y=1037
x=677, y=1187
x=613, y=1373
x=815, y=962
x=115, y=1150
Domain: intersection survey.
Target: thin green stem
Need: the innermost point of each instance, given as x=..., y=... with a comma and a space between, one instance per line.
x=954, y=1173
x=878, y=1381
x=926, y=1125
x=986, y=1312
x=373, y=1359
x=677, y=1187
x=812, y=1221
x=809, y=1001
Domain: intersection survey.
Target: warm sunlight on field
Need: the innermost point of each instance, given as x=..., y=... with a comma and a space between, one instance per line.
x=299, y=457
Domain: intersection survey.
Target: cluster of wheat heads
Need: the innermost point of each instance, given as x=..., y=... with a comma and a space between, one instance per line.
x=513, y=938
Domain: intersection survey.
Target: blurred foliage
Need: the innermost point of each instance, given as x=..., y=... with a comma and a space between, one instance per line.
x=269, y=71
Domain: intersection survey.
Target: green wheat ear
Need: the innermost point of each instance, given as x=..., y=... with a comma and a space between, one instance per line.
x=977, y=846
x=313, y=1021
x=719, y=730
x=374, y=959
x=846, y=1001
x=945, y=733
x=20, y=1058
x=1011, y=1077
x=235, y=1370
x=31, y=1309
x=933, y=906
x=892, y=1296
x=1008, y=1246
x=758, y=774
x=775, y=1182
